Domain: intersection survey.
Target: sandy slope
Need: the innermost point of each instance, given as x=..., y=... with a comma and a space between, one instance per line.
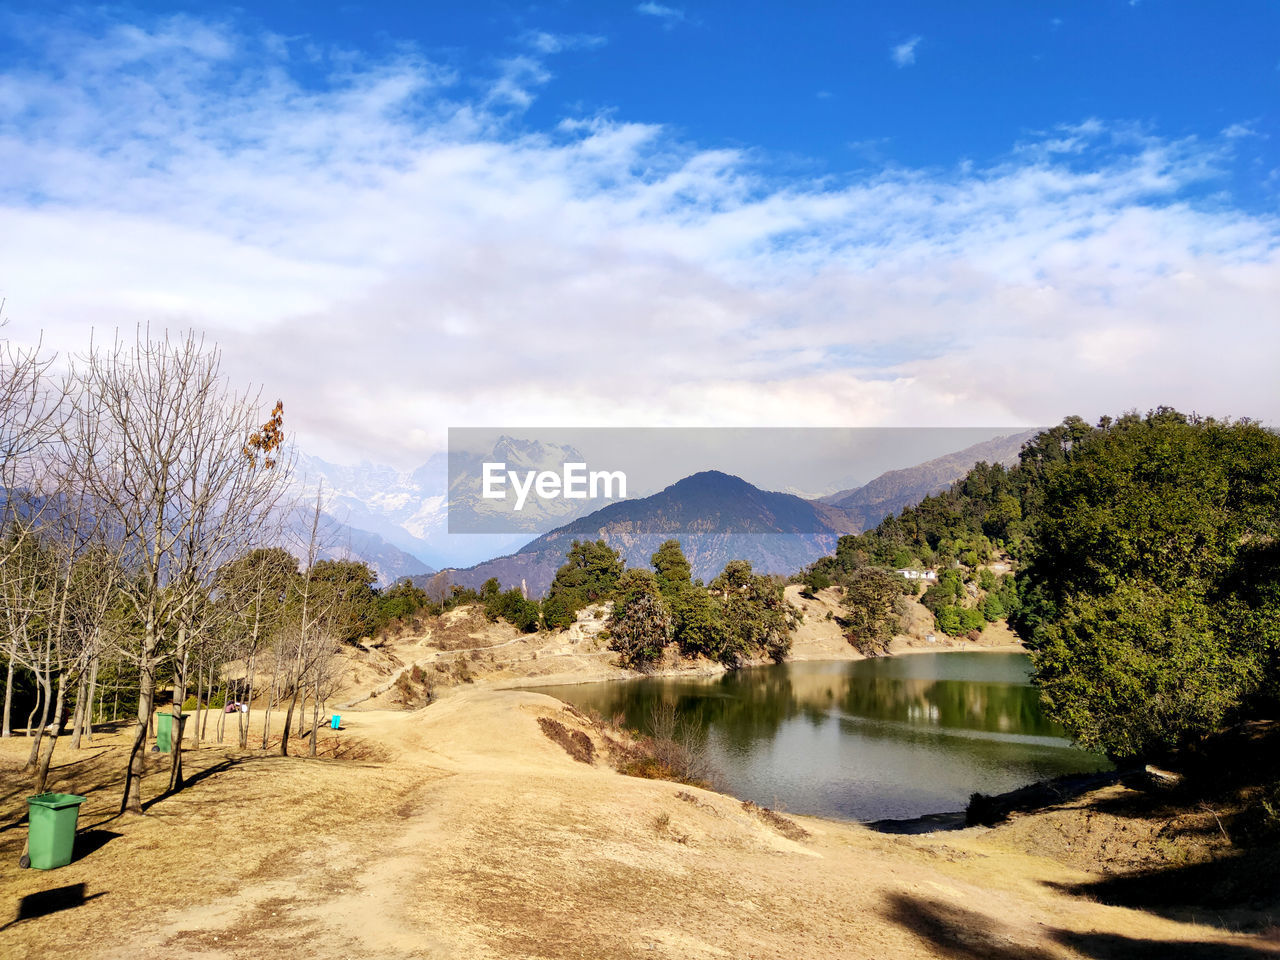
x=469, y=834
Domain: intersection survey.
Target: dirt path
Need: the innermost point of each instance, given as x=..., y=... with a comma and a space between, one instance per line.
x=467, y=833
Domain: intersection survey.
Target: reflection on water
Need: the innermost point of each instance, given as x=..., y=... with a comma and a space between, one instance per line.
x=892, y=737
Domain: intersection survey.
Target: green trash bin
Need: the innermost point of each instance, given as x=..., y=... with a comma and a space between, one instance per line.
x=164, y=732
x=51, y=832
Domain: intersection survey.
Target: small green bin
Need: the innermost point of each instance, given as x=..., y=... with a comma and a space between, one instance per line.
x=164, y=732
x=51, y=832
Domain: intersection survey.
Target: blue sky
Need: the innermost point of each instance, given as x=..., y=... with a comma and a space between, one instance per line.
x=658, y=214
x=835, y=88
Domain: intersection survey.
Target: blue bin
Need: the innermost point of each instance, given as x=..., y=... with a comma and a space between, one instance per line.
x=334, y=721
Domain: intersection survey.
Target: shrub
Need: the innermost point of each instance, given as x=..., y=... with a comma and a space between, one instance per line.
x=575, y=743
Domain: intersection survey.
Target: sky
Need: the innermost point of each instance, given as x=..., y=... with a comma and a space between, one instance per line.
x=403, y=218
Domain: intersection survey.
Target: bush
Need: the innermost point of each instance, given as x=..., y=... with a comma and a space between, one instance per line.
x=575, y=743
x=217, y=703
x=674, y=749
x=513, y=607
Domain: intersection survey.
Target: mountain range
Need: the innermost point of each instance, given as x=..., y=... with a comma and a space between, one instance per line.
x=398, y=521
x=718, y=517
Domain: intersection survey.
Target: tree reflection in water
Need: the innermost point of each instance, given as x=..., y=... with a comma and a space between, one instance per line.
x=872, y=738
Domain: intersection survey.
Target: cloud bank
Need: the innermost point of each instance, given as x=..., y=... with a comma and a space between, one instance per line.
x=388, y=246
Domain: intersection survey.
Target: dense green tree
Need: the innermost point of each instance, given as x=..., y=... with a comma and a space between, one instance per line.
x=948, y=589
x=1149, y=600
x=753, y=612
x=350, y=584
x=559, y=611
x=400, y=601
x=971, y=618
x=815, y=580
x=947, y=620
x=992, y=608
x=589, y=574
x=698, y=623
x=870, y=603
x=640, y=625
x=671, y=567
x=513, y=607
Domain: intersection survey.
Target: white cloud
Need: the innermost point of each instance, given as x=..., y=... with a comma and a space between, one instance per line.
x=548, y=43
x=518, y=78
x=1239, y=131
x=389, y=256
x=904, y=54
x=670, y=16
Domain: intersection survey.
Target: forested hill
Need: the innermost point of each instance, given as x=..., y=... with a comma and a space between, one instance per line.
x=1147, y=586
x=896, y=489
x=987, y=510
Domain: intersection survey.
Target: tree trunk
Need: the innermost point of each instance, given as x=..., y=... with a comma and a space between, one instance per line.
x=271, y=701
x=248, y=702
x=43, y=677
x=179, y=698
x=222, y=717
x=195, y=731
x=7, y=731
x=31, y=717
x=132, y=801
x=315, y=715
x=78, y=719
x=288, y=719
x=217, y=727
x=42, y=771
x=90, y=713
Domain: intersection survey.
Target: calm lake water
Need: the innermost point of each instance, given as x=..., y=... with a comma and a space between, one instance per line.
x=886, y=738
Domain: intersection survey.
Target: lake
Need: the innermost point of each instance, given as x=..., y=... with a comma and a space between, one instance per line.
x=892, y=737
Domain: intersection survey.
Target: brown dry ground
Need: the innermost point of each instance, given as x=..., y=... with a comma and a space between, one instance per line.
x=461, y=830
x=468, y=833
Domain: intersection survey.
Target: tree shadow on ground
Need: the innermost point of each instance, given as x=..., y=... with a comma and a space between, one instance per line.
x=957, y=933
x=45, y=902
x=1247, y=881
x=204, y=773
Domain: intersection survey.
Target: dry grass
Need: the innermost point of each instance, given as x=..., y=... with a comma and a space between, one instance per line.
x=242, y=817
x=784, y=825
x=473, y=839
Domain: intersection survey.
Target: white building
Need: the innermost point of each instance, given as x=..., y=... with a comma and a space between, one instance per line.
x=919, y=574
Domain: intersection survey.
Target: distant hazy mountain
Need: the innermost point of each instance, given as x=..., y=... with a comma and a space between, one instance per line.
x=410, y=509
x=890, y=492
x=716, y=517
x=341, y=541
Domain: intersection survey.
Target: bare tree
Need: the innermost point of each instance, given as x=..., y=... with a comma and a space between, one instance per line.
x=312, y=616
x=253, y=588
x=179, y=476
x=29, y=413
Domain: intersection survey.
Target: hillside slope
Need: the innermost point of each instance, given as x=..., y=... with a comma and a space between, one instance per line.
x=890, y=492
